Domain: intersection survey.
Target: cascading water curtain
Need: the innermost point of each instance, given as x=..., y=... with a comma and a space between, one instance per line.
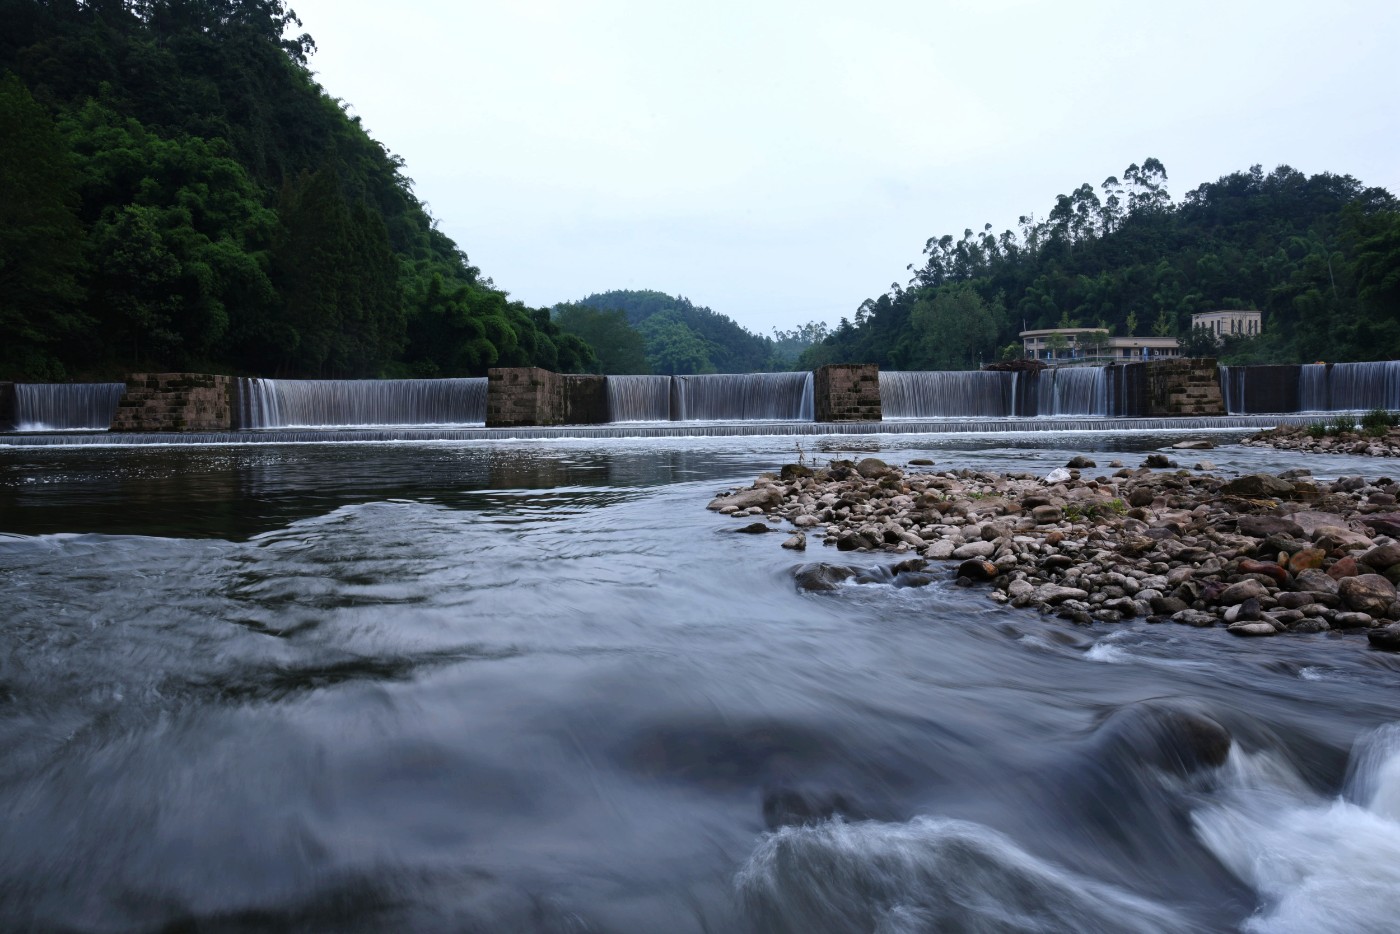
x=946, y=393
x=744, y=397
x=639, y=398
x=66, y=406
x=324, y=403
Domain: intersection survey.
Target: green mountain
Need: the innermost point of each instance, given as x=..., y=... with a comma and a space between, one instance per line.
x=1319, y=256
x=181, y=194
x=648, y=331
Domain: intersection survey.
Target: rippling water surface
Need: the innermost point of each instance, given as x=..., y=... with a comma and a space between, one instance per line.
x=537, y=686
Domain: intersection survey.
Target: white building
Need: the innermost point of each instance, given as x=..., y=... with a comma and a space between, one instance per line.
x=1229, y=323
x=1092, y=345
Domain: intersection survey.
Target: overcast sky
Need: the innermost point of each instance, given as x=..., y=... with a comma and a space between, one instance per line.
x=782, y=161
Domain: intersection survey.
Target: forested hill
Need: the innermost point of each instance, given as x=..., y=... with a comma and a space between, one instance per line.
x=648, y=331
x=178, y=192
x=1318, y=256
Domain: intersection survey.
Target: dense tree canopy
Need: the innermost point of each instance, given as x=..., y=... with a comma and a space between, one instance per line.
x=180, y=193
x=1318, y=256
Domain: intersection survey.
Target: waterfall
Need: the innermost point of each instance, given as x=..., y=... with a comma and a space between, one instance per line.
x=639, y=398
x=1312, y=388
x=1360, y=386
x=942, y=394
x=743, y=396
x=1081, y=390
x=66, y=406
x=314, y=403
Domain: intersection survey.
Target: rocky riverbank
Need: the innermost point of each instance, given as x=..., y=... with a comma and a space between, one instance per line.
x=1316, y=440
x=1260, y=554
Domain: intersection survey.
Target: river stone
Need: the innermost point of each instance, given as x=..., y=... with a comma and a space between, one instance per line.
x=1310, y=520
x=1158, y=461
x=1383, y=523
x=1242, y=591
x=977, y=569
x=920, y=462
x=1351, y=620
x=746, y=499
x=1246, y=612
x=806, y=521
x=1306, y=559
x=1316, y=582
x=1385, y=637
x=1197, y=618
x=872, y=468
x=1198, y=445
x=1252, y=629
x=1141, y=496
x=940, y=550
x=975, y=550
x=794, y=471
x=1344, y=567
x=821, y=577
x=1167, y=606
x=1267, y=569
x=1367, y=593
x=1382, y=556
x=1080, y=462
x=1266, y=526
x=1336, y=538
x=753, y=528
x=1310, y=625
x=1053, y=594
x=1257, y=484
x=796, y=542
x=1047, y=514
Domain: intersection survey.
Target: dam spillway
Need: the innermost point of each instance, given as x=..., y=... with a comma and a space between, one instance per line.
x=335, y=403
x=66, y=406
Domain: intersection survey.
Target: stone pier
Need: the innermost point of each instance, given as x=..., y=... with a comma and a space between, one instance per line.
x=520, y=397
x=8, y=418
x=175, y=402
x=847, y=392
x=1184, y=387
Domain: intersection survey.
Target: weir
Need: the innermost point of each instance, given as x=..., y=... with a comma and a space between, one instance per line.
x=742, y=397
x=1314, y=387
x=66, y=406
x=316, y=403
x=639, y=398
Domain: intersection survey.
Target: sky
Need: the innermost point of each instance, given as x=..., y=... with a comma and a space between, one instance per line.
x=780, y=162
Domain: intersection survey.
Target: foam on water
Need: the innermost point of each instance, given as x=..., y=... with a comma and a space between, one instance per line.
x=929, y=874
x=1317, y=864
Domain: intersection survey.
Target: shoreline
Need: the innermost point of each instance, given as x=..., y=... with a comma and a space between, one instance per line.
x=1262, y=554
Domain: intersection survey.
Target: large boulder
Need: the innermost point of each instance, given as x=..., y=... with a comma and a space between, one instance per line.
x=1367, y=593
x=1257, y=484
x=1385, y=637
x=1266, y=526
x=821, y=577
x=1242, y=591
x=1382, y=556
x=872, y=468
x=761, y=496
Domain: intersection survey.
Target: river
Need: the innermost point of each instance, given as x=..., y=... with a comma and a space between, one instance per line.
x=537, y=686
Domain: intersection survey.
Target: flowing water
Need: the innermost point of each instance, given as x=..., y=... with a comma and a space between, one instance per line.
x=533, y=685
x=317, y=403
x=66, y=406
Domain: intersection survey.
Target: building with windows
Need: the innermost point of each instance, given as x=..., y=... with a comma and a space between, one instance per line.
x=1229, y=323
x=1093, y=345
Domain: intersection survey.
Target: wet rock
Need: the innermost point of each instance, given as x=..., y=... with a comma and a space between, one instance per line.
x=1385, y=637
x=920, y=462
x=1382, y=556
x=1158, y=461
x=1367, y=593
x=1166, y=606
x=761, y=496
x=872, y=468
x=821, y=577
x=1246, y=612
x=806, y=522
x=753, y=528
x=1310, y=626
x=1080, y=462
x=940, y=550
x=1306, y=559
x=1053, y=594
x=1257, y=485
x=975, y=550
x=796, y=542
x=1205, y=465
x=1316, y=582
x=1141, y=496
x=1242, y=591
x=795, y=471
x=977, y=569
x=1268, y=569
x=1351, y=620
x=1197, y=445
x=1197, y=618
x=1252, y=629
x=1266, y=526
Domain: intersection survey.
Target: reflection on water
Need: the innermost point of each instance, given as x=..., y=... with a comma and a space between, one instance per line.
x=538, y=687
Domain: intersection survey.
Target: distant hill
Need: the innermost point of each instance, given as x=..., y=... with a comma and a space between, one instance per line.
x=676, y=336
x=1319, y=256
